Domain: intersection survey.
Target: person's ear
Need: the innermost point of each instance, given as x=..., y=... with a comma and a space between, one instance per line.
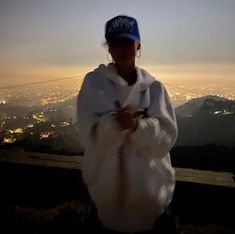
x=138, y=46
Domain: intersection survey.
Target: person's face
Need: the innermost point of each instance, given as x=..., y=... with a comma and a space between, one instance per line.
x=123, y=51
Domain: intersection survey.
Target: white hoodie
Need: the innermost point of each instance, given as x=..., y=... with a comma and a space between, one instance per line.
x=128, y=174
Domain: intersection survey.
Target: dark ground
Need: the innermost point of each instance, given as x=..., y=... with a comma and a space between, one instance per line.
x=40, y=200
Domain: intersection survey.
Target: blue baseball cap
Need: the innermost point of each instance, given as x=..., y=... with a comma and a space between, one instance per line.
x=122, y=26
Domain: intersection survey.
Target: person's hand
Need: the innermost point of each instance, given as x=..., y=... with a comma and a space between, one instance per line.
x=127, y=118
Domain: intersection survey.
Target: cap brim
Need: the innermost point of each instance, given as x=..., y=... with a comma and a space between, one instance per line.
x=124, y=35
x=127, y=36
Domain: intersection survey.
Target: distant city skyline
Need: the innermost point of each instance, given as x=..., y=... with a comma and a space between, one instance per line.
x=184, y=39
x=58, y=91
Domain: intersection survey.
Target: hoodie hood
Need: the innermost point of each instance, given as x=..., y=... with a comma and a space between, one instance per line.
x=110, y=72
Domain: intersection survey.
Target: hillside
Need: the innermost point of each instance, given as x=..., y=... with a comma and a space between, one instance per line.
x=206, y=120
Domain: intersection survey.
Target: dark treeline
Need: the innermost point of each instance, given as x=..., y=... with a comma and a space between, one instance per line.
x=208, y=157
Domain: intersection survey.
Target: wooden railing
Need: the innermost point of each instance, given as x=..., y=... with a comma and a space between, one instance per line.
x=224, y=179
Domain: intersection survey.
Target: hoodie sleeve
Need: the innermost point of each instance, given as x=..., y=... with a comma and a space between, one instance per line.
x=156, y=135
x=98, y=131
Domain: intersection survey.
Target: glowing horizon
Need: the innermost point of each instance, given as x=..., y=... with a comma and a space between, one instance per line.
x=200, y=72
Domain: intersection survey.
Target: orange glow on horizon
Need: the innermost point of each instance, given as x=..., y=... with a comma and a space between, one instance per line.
x=194, y=72
x=186, y=72
x=10, y=75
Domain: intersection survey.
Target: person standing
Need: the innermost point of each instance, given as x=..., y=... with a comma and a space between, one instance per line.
x=127, y=126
